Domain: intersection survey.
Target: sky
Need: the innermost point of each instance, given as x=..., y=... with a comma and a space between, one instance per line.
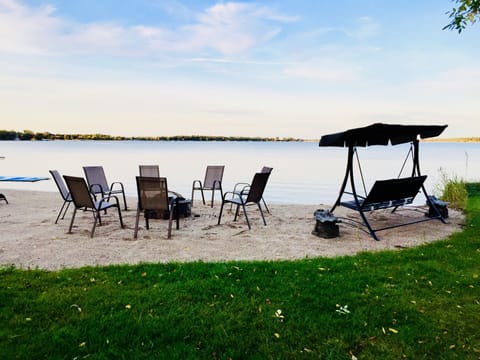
x=274, y=68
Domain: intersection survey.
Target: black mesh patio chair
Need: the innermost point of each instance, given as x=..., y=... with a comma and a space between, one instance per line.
x=243, y=187
x=212, y=182
x=64, y=193
x=154, y=202
x=83, y=199
x=97, y=182
x=252, y=197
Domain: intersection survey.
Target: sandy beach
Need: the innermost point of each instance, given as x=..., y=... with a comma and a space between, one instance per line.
x=30, y=239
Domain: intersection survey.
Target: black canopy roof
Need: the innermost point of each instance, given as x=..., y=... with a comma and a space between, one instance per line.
x=381, y=134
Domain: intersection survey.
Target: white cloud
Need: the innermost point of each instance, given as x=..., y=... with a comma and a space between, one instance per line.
x=225, y=28
x=27, y=30
x=363, y=28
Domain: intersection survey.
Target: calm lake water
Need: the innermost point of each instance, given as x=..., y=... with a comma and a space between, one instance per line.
x=303, y=172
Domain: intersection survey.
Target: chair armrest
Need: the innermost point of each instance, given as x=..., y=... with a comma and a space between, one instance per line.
x=350, y=193
x=175, y=194
x=215, y=182
x=240, y=184
x=172, y=201
x=233, y=194
x=106, y=200
x=115, y=183
x=94, y=186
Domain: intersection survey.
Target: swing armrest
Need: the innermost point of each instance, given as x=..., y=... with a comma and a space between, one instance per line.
x=359, y=196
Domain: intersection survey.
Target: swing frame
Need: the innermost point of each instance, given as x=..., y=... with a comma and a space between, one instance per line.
x=391, y=193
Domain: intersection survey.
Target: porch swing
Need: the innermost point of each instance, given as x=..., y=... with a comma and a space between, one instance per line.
x=389, y=193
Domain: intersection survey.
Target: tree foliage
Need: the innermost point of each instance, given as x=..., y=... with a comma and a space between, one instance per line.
x=466, y=13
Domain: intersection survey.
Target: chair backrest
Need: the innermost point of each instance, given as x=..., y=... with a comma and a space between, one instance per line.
x=152, y=193
x=149, y=170
x=62, y=188
x=79, y=192
x=96, y=176
x=213, y=175
x=394, y=189
x=257, y=187
x=266, y=169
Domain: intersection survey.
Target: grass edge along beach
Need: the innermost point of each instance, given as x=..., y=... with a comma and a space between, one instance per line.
x=422, y=302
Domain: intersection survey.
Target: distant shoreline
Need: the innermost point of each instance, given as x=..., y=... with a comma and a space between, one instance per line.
x=27, y=135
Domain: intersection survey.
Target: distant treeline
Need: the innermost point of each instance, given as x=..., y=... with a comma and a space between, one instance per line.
x=30, y=135
x=464, y=140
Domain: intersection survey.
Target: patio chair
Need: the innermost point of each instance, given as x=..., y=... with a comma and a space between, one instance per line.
x=83, y=199
x=97, y=182
x=243, y=187
x=253, y=196
x=213, y=181
x=149, y=170
x=154, y=202
x=64, y=193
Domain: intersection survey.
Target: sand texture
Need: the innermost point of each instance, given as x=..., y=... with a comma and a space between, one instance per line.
x=30, y=239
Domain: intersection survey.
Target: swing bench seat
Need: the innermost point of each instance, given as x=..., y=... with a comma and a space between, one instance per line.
x=391, y=193
x=387, y=194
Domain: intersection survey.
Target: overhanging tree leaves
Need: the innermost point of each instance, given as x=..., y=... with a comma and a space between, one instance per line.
x=466, y=13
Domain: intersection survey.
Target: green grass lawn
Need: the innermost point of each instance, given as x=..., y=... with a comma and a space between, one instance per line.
x=421, y=303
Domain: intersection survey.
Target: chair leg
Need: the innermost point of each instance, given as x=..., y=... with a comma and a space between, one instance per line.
x=97, y=213
x=137, y=219
x=147, y=223
x=4, y=198
x=124, y=200
x=237, y=210
x=198, y=187
x=120, y=216
x=265, y=204
x=261, y=213
x=246, y=217
x=65, y=212
x=97, y=216
x=216, y=188
x=170, y=219
x=220, y=215
x=71, y=221
x=176, y=211
x=123, y=195
x=60, y=212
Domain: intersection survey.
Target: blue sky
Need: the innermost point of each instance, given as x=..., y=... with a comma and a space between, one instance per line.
x=298, y=68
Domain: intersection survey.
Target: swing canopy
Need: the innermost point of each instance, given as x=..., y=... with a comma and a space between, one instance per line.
x=381, y=134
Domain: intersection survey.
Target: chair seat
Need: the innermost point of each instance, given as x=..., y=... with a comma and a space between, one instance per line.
x=102, y=204
x=237, y=198
x=377, y=206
